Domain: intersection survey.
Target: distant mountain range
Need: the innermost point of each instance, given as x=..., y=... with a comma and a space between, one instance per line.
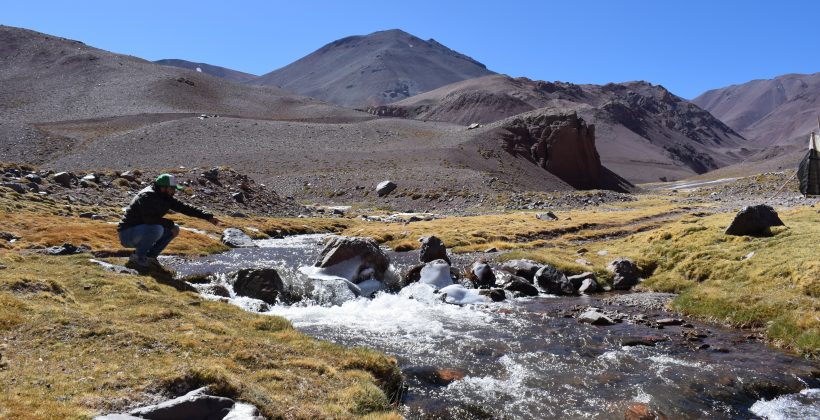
x=68, y=106
x=644, y=132
x=767, y=112
x=775, y=115
x=64, y=102
x=374, y=69
x=225, y=73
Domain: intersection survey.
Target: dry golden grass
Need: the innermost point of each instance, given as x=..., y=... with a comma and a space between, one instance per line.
x=41, y=222
x=776, y=290
x=519, y=230
x=79, y=341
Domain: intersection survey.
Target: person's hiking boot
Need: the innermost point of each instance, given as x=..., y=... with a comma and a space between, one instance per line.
x=140, y=264
x=156, y=268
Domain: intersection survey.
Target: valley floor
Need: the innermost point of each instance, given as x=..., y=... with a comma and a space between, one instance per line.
x=79, y=341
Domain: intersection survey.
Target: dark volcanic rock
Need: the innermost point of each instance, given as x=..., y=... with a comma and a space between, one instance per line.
x=520, y=286
x=553, y=281
x=432, y=249
x=625, y=273
x=344, y=248
x=522, y=268
x=482, y=275
x=496, y=295
x=18, y=188
x=755, y=221
x=63, y=179
x=262, y=283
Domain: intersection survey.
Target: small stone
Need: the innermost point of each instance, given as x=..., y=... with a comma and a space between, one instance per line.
x=546, y=216
x=491, y=250
x=669, y=321
x=594, y=317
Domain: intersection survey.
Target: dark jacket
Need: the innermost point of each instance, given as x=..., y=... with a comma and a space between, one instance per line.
x=150, y=206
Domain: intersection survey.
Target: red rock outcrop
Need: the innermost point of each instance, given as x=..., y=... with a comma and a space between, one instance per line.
x=563, y=144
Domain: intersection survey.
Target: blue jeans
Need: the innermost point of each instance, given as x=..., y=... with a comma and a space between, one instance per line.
x=149, y=240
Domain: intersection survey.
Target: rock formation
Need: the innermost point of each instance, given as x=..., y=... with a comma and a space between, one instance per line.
x=563, y=144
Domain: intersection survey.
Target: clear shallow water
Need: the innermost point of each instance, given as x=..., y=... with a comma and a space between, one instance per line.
x=525, y=358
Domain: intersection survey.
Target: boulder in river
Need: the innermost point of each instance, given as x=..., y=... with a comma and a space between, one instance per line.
x=385, y=187
x=235, y=238
x=436, y=274
x=432, y=249
x=258, y=283
x=354, y=258
x=553, y=281
x=594, y=317
x=525, y=269
x=625, y=273
x=482, y=275
x=520, y=286
x=754, y=221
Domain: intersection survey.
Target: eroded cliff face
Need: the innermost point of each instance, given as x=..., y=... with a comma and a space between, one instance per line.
x=563, y=144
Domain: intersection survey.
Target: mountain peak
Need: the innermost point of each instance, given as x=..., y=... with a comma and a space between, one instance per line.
x=378, y=68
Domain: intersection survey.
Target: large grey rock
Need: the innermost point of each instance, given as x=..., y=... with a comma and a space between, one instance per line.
x=235, y=238
x=520, y=286
x=754, y=220
x=522, y=268
x=482, y=275
x=553, y=281
x=195, y=405
x=370, y=260
x=258, y=283
x=625, y=273
x=63, y=179
x=432, y=249
x=385, y=187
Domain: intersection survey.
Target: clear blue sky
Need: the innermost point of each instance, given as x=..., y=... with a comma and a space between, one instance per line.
x=687, y=46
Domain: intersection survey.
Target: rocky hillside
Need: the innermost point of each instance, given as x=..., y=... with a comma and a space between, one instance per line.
x=46, y=79
x=769, y=112
x=645, y=133
x=374, y=69
x=225, y=73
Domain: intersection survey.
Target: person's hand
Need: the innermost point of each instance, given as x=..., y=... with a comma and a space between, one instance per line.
x=215, y=221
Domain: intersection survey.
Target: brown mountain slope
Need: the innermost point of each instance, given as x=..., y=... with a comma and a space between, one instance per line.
x=46, y=79
x=221, y=72
x=768, y=112
x=643, y=131
x=379, y=68
x=70, y=106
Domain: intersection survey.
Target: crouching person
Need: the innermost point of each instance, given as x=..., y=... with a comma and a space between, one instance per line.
x=144, y=227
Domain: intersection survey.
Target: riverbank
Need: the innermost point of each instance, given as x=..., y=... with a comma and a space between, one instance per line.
x=78, y=340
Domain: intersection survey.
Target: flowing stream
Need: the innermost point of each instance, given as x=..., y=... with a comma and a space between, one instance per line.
x=530, y=358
